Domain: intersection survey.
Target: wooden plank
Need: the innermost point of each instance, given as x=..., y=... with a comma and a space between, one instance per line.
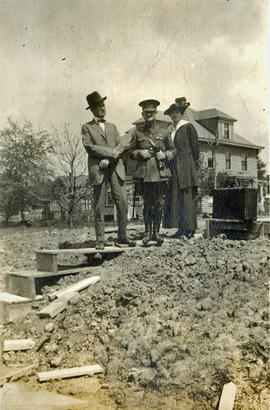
x=71, y=297
x=86, y=251
x=16, y=374
x=227, y=397
x=76, y=287
x=71, y=372
x=39, y=274
x=46, y=261
x=18, y=344
x=53, y=308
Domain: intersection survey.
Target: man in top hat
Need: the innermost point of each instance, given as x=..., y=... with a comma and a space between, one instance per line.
x=149, y=146
x=102, y=143
x=180, y=208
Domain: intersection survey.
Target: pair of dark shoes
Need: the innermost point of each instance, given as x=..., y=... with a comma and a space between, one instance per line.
x=152, y=237
x=179, y=233
x=147, y=238
x=125, y=242
x=156, y=237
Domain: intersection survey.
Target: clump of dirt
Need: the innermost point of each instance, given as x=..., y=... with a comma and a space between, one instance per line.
x=170, y=325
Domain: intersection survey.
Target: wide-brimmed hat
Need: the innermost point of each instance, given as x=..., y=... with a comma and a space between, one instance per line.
x=94, y=99
x=180, y=104
x=172, y=107
x=149, y=105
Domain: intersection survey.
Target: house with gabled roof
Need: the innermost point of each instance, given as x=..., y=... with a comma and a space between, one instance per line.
x=234, y=154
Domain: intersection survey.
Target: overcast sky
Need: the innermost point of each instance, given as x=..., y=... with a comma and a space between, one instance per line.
x=54, y=52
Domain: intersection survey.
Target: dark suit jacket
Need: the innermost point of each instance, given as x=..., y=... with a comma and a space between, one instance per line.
x=150, y=170
x=187, y=154
x=101, y=145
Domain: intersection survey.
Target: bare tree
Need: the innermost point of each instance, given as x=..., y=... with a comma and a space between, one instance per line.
x=71, y=187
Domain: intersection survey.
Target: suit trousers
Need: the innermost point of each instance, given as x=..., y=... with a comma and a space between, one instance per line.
x=119, y=196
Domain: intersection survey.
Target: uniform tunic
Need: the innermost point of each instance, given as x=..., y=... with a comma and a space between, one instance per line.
x=151, y=175
x=153, y=139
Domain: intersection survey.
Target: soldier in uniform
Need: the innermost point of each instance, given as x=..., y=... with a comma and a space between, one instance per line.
x=150, y=147
x=102, y=143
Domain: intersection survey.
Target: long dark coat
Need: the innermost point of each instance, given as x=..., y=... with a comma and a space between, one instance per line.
x=184, y=181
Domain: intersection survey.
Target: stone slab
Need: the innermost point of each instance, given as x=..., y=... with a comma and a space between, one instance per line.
x=15, y=396
x=10, y=312
x=21, y=286
x=27, y=284
x=10, y=298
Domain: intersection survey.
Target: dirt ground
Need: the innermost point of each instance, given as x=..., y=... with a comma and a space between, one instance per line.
x=170, y=325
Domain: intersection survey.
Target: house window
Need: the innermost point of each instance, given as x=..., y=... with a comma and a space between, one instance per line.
x=244, y=158
x=109, y=200
x=226, y=130
x=210, y=160
x=227, y=160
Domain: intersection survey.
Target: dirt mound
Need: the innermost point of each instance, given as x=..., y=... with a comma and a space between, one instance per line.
x=170, y=325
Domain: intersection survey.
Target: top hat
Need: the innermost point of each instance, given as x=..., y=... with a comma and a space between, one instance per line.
x=94, y=99
x=149, y=105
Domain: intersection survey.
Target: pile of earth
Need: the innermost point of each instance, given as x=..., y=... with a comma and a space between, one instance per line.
x=170, y=325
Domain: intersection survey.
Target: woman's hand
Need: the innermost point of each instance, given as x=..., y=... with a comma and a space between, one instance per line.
x=160, y=155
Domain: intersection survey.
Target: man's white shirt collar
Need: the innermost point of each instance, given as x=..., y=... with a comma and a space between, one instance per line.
x=101, y=124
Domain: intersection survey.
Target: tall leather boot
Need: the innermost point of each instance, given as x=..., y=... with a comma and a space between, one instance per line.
x=156, y=227
x=148, y=226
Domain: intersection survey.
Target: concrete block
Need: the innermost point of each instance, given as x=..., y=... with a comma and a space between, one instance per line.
x=17, y=396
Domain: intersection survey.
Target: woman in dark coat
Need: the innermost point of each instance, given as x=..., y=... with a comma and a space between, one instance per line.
x=180, y=209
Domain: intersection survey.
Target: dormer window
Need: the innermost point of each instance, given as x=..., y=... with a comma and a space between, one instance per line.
x=226, y=130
